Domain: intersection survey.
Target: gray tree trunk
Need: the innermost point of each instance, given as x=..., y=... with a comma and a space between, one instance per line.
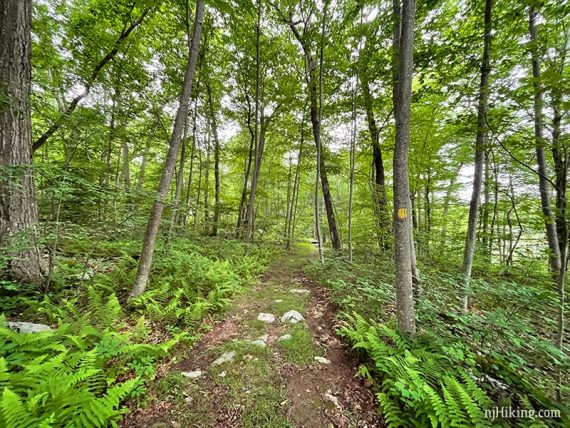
x=18, y=208
x=257, y=142
x=153, y=224
x=214, y=124
x=540, y=142
x=404, y=39
x=314, y=82
x=351, y=176
x=482, y=130
x=379, y=184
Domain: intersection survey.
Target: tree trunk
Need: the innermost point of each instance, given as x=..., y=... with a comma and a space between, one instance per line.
x=214, y=124
x=314, y=83
x=147, y=252
x=257, y=142
x=198, y=190
x=243, y=199
x=486, y=201
x=179, y=181
x=540, y=141
x=126, y=173
x=289, y=205
x=446, y=202
x=379, y=184
x=560, y=156
x=207, y=179
x=296, y=183
x=482, y=129
x=18, y=208
x=192, y=157
x=351, y=176
x=250, y=210
x=403, y=41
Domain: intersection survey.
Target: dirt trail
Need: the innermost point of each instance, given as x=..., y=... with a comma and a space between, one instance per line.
x=268, y=382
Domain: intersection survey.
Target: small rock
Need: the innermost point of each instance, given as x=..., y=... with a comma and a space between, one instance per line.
x=332, y=399
x=193, y=374
x=225, y=358
x=278, y=300
x=265, y=338
x=299, y=291
x=284, y=338
x=223, y=374
x=176, y=424
x=292, y=317
x=87, y=275
x=322, y=360
x=27, y=327
x=259, y=342
x=268, y=318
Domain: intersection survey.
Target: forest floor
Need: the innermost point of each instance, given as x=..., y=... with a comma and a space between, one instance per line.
x=267, y=382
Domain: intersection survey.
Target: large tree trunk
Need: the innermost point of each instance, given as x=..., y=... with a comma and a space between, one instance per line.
x=482, y=129
x=404, y=39
x=540, y=141
x=147, y=252
x=18, y=208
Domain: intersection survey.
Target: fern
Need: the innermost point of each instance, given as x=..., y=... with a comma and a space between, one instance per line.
x=420, y=386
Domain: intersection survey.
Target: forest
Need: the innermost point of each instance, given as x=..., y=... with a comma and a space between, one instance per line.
x=284, y=213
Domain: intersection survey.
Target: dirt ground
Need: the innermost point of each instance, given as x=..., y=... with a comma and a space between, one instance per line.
x=275, y=384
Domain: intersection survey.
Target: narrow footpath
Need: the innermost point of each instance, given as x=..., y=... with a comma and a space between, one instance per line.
x=274, y=360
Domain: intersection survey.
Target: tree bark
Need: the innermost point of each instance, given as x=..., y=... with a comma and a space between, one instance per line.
x=560, y=156
x=214, y=124
x=540, y=141
x=403, y=41
x=243, y=199
x=351, y=176
x=192, y=157
x=296, y=183
x=379, y=184
x=482, y=130
x=18, y=207
x=250, y=210
x=313, y=86
x=257, y=143
x=153, y=224
x=179, y=181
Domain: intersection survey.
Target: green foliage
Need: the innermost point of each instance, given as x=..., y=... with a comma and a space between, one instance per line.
x=70, y=376
x=427, y=381
x=188, y=284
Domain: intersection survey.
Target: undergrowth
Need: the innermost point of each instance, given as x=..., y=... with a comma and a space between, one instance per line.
x=100, y=354
x=499, y=354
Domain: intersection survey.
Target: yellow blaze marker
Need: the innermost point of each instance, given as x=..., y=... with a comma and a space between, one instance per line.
x=402, y=213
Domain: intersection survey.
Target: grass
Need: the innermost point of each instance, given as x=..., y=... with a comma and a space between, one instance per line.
x=300, y=349
x=253, y=385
